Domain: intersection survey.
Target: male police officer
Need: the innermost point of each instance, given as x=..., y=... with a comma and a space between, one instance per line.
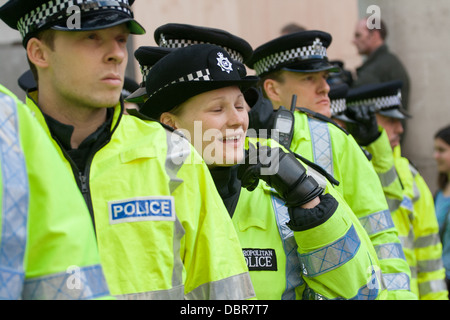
x=297, y=64
x=142, y=183
x=374, y=140
x=47, y=243
x=415, y=218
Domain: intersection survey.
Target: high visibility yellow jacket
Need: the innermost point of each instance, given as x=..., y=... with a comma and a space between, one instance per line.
x=383, y=163
x=47, y=246
x=334, y=260
x=419, y=233
x=162, y=229
x=338, y=153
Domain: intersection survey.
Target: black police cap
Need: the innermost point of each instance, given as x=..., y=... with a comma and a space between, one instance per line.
x=32, y=16
x=304, y=51
x=146, y=56
x=338, y=93
x=177, y=35
x=187, y=72
x=386, y=97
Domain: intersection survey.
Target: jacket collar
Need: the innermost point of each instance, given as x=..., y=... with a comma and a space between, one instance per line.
x=32, y=98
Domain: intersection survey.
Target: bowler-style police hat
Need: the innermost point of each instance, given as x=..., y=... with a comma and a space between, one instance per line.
x=146, y=56
x=338, y=93
x=32, y=16
x=304, y=51
x=187, y=72
x=177, y=35
x=386, y=97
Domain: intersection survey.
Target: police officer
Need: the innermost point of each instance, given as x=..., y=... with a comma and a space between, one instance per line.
x=148, y=192
x=47, y=243
x=415, y=218
x=298, y=64
x=171, y=36
x=201, y=82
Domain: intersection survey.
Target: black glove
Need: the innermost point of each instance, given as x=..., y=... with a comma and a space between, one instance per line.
x=304, y=219
x=282, y=171
x=365, y=128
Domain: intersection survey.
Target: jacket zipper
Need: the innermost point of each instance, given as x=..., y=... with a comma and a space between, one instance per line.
x=83, y=179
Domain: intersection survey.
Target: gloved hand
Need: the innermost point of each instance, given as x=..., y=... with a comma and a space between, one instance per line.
x=365, y=128
x=304, y=219
x=282, y=171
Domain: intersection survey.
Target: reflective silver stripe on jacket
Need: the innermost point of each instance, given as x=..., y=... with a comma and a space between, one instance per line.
x=408, y=241
x=369, y=291
x=431, y=287
x=178, y=149
x=427, y=241
x=393, y=204
x=390, y=251
x=377, y=222
x=75, y=284
x=321, y=143
x=332, y=256
x=293, y=266
x=224, y=289
x=396, y=281
x=175, y=293
x=388, y=177
x=15, y=199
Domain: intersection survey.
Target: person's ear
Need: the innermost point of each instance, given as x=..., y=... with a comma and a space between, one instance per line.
x=37, y=53
x=168, y=119
x=272, y=90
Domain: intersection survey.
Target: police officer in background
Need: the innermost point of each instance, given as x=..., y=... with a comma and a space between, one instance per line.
x=415, y=218
x=297, y=64
x=148, y=191
x=375, y=143
x=47, y=244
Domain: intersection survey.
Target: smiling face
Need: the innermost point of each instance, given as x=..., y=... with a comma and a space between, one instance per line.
x=215, y=122
x=442, y=155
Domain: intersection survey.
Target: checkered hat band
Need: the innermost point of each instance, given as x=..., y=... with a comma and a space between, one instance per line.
x=303, y=53
x=338, y=106
x=181, y=43
x=145, y=70
x=201, y=75
x=380, y=103
x=58, y=9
